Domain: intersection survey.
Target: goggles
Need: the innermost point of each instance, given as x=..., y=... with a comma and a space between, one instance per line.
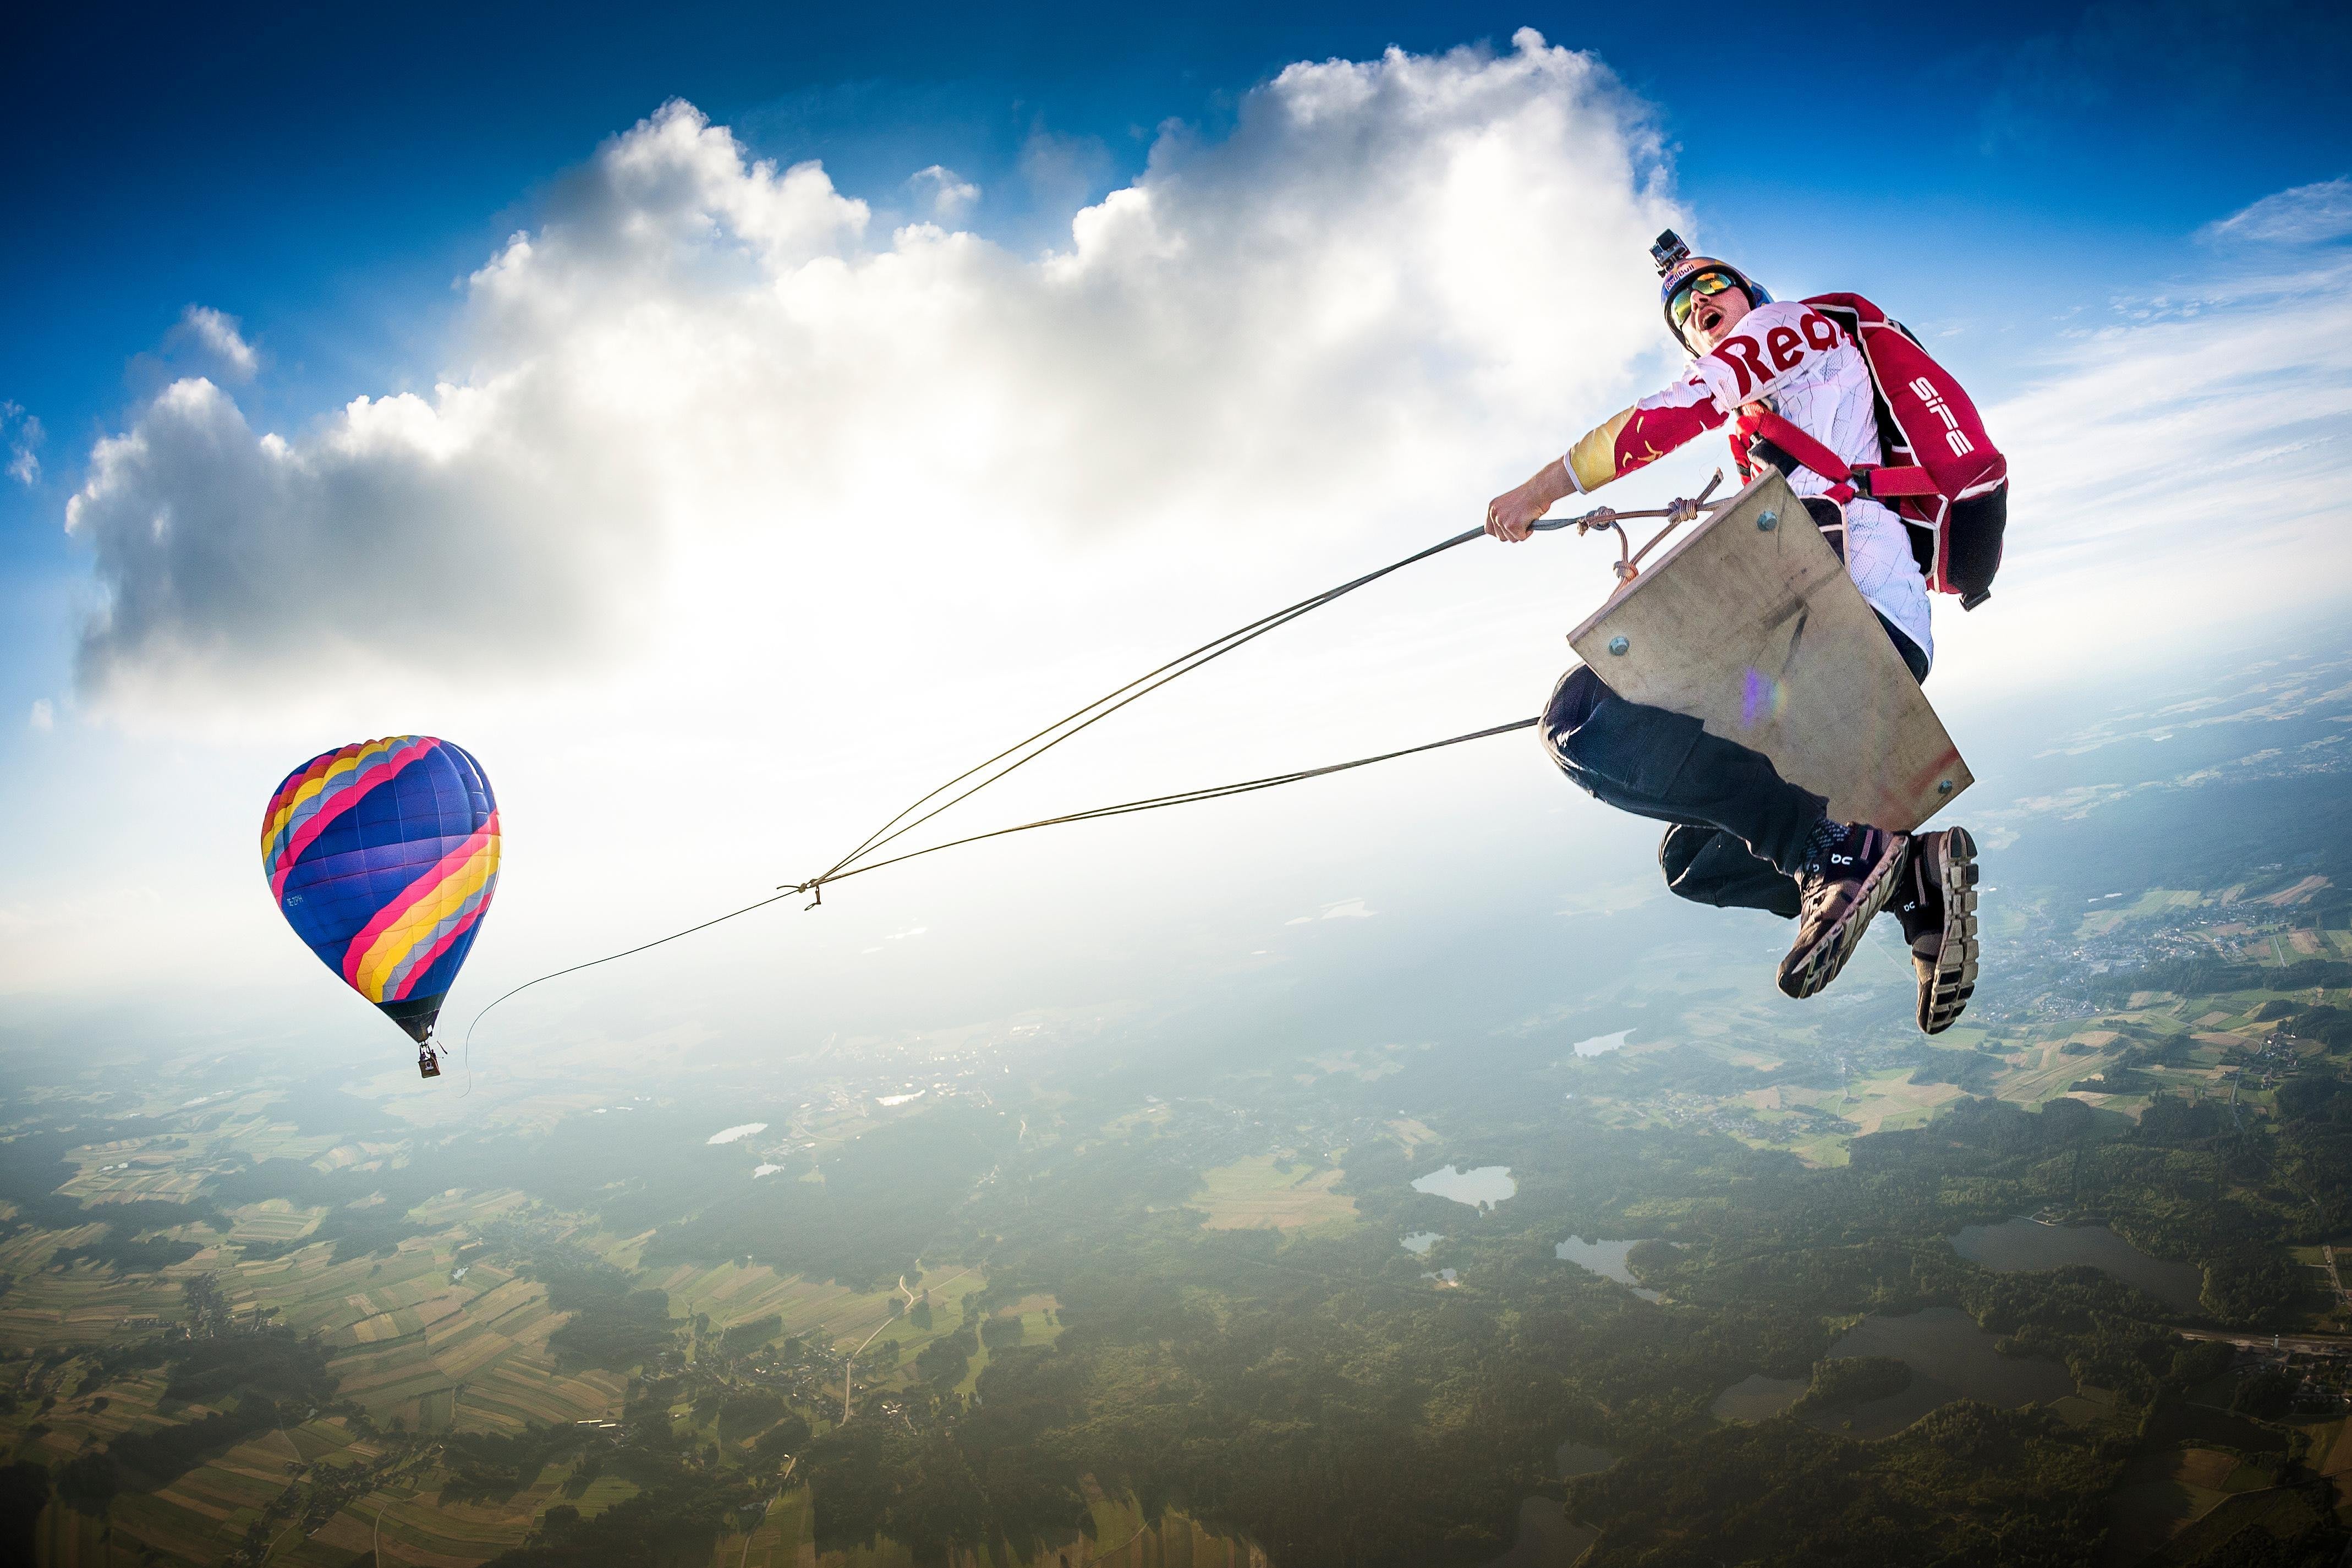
x=1678, y=305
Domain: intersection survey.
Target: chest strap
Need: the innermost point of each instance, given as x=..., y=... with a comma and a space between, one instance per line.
x=1878, y=482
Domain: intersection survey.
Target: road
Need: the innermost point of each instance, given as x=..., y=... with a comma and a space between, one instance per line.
x=2306, y=1345
x=850, y=1366
x=783, y=1482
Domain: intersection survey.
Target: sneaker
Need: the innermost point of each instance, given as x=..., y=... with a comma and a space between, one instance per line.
x=1936, y=900
x=1853, y=878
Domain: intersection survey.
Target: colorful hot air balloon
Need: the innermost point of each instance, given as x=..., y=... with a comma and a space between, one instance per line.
x=382, y=857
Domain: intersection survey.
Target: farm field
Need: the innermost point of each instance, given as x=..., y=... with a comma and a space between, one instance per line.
x=1258, y=1194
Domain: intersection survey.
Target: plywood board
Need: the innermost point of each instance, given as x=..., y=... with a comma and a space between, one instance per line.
x=1758, y=633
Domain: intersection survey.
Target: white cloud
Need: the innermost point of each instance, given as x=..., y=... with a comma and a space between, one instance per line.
x=24, y=434
x=2305, y=214
x=217, y=335
x=44, y=716
x=2175, y=472
x=949, y=195
x=700, y=377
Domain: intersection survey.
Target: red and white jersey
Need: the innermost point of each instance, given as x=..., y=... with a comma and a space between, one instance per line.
x=1792, y=359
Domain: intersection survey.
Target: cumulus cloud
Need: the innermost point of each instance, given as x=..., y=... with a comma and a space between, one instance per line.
x=1386, y=274
x=217, y=335
x=2305, y=214
x=404, y=523
x=22, y=433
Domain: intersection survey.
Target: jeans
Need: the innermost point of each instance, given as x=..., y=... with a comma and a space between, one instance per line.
x=1739, y=831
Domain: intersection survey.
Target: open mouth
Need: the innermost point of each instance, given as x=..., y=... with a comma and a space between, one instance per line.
x=1706, y=318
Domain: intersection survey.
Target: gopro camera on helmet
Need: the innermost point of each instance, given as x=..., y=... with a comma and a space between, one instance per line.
x=1668, y=250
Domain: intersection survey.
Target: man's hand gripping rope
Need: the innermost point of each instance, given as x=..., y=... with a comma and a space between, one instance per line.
x=1517, y=514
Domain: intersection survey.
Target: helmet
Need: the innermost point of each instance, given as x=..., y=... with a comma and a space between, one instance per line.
x=1676, y=266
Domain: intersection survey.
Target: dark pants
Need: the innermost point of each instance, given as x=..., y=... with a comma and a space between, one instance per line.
x=1739, y=831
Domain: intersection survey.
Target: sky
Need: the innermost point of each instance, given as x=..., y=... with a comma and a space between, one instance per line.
x=728, y=423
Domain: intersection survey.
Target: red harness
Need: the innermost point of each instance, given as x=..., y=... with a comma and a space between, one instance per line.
x=1877, y=480
x=1951, y=486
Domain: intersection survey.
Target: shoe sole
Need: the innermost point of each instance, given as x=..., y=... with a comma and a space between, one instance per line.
x=1837, y=944
x=1946, y=996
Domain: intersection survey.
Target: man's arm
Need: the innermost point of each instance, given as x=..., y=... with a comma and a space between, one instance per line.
x=1636, y=438
x=1512, y=515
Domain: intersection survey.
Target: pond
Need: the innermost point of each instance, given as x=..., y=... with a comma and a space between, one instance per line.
x=1573, y=1459
x=1421, y=1241
x=1480, y=1188
x=1546, y=1538
x=2024, y=1246
x=1606, y=1259
x=1601, y=1045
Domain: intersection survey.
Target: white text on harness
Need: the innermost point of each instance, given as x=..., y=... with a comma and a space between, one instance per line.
x=1954, y=438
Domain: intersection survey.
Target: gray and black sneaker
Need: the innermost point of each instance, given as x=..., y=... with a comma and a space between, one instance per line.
x=1937, y=901
x=1850, y=879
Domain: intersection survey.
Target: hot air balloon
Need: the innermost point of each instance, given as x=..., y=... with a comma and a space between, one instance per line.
x=382, y=856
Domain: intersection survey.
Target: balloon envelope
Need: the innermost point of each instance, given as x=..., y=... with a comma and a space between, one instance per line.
x=382, y=856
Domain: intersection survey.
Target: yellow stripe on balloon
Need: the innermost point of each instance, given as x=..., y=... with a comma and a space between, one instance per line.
x=285, y=813
x=422, y=920
x=277, y=823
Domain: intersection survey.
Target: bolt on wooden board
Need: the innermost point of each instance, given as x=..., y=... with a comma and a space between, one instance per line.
x=1749, y=623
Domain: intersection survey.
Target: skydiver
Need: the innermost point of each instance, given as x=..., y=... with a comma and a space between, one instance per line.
x=1741, y=837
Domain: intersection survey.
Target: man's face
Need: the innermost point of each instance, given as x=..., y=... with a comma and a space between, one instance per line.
x=1713, y=316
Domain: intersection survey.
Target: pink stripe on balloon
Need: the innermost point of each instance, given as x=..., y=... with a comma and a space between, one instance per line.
x=433, y=954
x=386, y=918
x=348, y=797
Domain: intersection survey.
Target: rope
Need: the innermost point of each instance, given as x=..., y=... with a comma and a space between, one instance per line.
x=1110, y=703
x=1021, y=753
x=1153, y=803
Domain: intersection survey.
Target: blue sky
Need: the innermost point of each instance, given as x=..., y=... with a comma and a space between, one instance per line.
x=2036, y=188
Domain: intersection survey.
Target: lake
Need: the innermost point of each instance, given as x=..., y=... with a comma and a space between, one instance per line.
x=1600, y=1044
x=1950, y=1357
x=1480, y=1188
x=2022, y=1245
x=1758, y=1398
x=1606, y=1259
x=1421, y=1241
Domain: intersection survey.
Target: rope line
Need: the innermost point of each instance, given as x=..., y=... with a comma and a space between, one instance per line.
x=1021, y=753
x=1153, y=803
x=1111, y=702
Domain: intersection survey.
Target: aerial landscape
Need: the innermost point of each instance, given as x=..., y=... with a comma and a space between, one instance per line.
x=1679, y=1028
x=2068, y=1272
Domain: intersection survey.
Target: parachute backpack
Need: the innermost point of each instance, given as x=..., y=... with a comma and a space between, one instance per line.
x=1942, y=475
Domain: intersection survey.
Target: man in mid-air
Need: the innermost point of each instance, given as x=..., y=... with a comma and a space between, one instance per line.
x=1741, y=836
